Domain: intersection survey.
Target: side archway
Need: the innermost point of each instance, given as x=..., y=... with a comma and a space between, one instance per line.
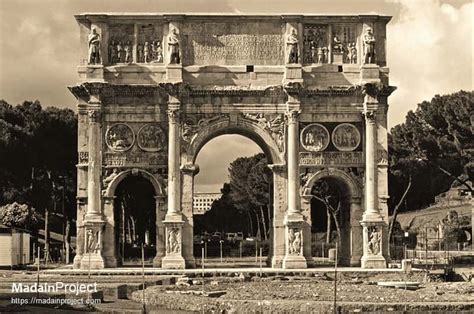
x=350, y=213
x=155, y=207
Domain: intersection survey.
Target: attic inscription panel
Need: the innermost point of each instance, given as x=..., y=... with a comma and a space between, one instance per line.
x=233, y=44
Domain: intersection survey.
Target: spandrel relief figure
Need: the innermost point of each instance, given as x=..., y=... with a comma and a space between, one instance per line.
x=94, y=47
x=173, y=43
x=369, y=46
x=292, y=43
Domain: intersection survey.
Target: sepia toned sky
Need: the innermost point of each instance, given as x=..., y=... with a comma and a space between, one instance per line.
x=429, y=50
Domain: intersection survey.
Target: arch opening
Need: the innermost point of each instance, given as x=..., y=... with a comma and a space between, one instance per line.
x=135, y=218
x=330, y=211
x=230, y=161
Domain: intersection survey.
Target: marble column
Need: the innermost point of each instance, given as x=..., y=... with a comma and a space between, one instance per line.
x=372, y=222
x=160, y=230
x=93, y=220
x=173, y=220
x=188, y=171
x=294, y=240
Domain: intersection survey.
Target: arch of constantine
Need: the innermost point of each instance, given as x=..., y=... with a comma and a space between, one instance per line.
x=310, y=90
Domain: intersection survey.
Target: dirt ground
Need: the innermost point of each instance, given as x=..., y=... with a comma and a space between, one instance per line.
x=313, y=294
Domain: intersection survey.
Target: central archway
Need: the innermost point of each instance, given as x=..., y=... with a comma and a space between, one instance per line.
x=260, y=134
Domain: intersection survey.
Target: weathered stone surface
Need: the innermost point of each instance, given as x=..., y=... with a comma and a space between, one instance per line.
x=310, y=90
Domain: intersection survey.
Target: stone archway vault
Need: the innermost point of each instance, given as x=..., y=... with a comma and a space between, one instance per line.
x=351, y=237
x=110, y=255
x=275, y=156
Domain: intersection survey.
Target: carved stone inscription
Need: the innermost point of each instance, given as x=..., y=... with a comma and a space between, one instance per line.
x=233, y=44
x=331, y=158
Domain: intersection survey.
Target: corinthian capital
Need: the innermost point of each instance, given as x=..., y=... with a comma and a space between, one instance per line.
x=173, y=115
x=94, y=115
x=292, y=116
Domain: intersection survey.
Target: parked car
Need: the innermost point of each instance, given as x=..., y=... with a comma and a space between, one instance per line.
x=231, y=236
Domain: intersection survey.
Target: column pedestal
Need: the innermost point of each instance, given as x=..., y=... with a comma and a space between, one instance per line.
x=174, y=73
x=294, y=258
x=373, y=233
x=92, y=257
x=173, y=239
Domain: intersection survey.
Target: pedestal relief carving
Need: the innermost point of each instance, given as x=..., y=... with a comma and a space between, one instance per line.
x=315, y=44
x=294, y=241
x=315, y=137
x=93, y=241
x=375, y=240
x=151, y=138
x=346, y=137
x=174, y=241
x=119, y=137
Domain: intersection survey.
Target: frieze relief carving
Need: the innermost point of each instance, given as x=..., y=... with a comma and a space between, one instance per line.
x=315, y=44
x=346, y=137
x=109, y=175
x=331, y=158
x=174, y=241
x=315, y=137
x=119, y=137
x=274, y=124
x=135, y=158
x=151, y=138
x=294, y=241
x=375, y=240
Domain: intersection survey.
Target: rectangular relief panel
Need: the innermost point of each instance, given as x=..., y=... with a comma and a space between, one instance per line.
x=344, y=43
x=315, y=44
x=254, y=43
x=121, y=40
x=150, y=44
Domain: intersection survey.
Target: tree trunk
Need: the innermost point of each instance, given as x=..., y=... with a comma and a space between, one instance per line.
x=328, y=229
x=46, y=236
x=259, y=232
x=68, y=226
x=270, y=220
x=395, y=211
x=264, y=223
x=250, y=223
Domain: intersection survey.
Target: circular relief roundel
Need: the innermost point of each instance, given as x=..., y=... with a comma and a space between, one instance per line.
x=151, y=138
x=119, y=137
x=345, y=137
x=315, y=137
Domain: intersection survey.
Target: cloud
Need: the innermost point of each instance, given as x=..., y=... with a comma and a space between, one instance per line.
x=429, y=52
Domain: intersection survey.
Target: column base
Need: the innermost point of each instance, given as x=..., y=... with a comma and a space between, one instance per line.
x=111, y=261
x=294, y=262
x=173, y=262
x=190, y=262
x=375, y=261
x=76, y=263
x=277, y=261
x=95, y=261
x=157, y=261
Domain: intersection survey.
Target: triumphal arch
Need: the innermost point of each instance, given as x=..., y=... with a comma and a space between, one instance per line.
x=310, y=90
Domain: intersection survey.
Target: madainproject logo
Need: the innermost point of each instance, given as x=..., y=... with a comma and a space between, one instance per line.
x=57, y=287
